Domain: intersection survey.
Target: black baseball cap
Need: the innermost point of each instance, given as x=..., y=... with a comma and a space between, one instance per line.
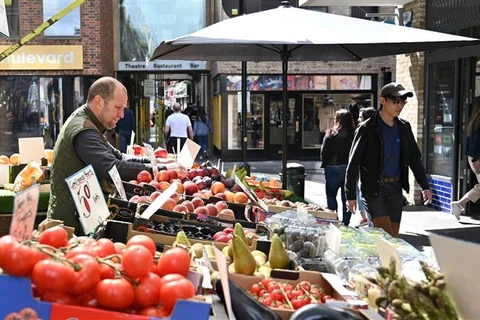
x=394, y=89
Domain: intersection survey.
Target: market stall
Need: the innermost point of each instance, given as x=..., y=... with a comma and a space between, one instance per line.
x=201, y=241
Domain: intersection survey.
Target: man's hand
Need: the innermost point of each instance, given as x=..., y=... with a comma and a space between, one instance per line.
x=427, y=196
x=352, y=205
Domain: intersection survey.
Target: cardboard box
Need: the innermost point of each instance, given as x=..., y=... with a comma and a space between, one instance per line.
x=134, y=189
x=17, y=300
x=330, y=284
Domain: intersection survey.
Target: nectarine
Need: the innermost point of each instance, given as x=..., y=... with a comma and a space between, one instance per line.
x=180, y=208
x=189, y=205
x=240, y=197
x=163, y=175
x=221, y=205
x=212, y=209
x=217, y=187
x=164, y=185
x=169, y=204
x=190, y=187
x=197, y=202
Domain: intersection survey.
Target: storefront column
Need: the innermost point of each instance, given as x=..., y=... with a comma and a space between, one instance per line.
x=410, y=72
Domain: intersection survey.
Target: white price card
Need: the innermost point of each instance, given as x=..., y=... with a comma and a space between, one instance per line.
x=189, y=152
x=88, y=197
x=159, y=201
x=153, y=159
x=25, y=208
x=117, y=180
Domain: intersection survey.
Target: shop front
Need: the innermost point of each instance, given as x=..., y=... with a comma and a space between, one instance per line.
x=312, y=103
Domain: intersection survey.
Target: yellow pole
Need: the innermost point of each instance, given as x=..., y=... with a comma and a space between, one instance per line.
x=14, y=47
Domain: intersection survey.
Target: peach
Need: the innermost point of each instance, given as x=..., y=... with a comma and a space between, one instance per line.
x=197, y=202
x=163, y=175
x=221, y=195
x=212, y=209
x=198, y=195
x=189, y=205
x=229, y=196
x=190, y=187
x=221, y=205
x=207, y=194
x=180, y=174
x=144, y=199
x=176, y=197
x=173, y=174
x=227, y=212
x=155, y=184
x=217, y=187
x=169, y=204
x=180, y=208
x=164, y=185
x=240, y=197
x=179, y=185
x=155, y=195
x=201, y=210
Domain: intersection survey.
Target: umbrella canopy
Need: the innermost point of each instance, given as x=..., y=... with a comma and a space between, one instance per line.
x=288, y=33
x=309, y=35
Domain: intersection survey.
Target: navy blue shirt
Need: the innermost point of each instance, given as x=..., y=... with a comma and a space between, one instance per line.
x=127, y=122
x=391, y=149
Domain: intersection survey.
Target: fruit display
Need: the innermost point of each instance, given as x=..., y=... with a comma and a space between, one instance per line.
x=131, y=277
x=414, y=300
x=290, y=204
x=284, y=295
x=305, y=242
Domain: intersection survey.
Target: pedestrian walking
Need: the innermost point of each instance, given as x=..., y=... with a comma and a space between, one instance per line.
x=335, y=149
x=363, y=115
x=202, y=129
x=177, y=127
x=383, y=149
x=124, y=128
x=472, y=150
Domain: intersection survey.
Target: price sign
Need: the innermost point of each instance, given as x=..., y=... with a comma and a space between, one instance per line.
x=88, y=197
x=153, y=159
x=24, y=212
x=117, y=180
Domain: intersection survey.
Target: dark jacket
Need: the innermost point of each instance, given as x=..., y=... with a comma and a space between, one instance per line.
x=472, y=147
x=366, y=157
x=336, y=147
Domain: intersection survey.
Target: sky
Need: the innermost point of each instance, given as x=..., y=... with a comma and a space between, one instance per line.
x=65, y=26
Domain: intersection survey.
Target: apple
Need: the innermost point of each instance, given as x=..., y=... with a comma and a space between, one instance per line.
x=212, y=209
x=227, y=212
x=160, y=153
x=190, y=187
x=155, y=195
x=213, y=171
x=144, y=176
x=220, y=237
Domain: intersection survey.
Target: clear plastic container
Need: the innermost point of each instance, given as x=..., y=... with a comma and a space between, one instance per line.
x=278, y=222
x=306, y=242
x=336, y=264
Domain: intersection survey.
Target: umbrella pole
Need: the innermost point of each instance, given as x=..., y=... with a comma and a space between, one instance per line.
x=244, y=113
x=285, y=55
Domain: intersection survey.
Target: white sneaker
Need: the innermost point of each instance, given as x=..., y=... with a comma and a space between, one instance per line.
x=457, y=209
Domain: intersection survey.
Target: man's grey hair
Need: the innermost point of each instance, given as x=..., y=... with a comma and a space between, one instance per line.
x=177, y=107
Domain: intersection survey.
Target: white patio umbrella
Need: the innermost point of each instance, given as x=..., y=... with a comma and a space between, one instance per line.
x=288, y=33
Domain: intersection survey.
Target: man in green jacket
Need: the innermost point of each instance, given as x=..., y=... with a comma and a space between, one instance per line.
x=82, y=142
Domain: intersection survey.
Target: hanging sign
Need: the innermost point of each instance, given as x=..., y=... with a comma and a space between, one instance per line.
x=24, y=212
x=88, y=197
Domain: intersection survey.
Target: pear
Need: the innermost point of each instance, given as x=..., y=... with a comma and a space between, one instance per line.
x=210, y=252
x=278, y=256
x=265, y=271
x=197, y=250
x=182, y=240
x=260, y=257
x=243, y=260
x=227, y=251
x=239, y=232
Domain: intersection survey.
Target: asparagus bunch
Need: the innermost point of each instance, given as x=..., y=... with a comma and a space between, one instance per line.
x=426, y=300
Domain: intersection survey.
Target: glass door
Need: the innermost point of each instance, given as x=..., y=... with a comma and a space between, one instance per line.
x=275, y=124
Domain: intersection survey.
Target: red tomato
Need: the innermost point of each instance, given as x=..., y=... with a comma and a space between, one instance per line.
x=299, y=302
x=119, y=247
x=107, y=272
x=83, y=240
x=175, y=260
x=170, y=278
x=87, y=277
x=304, y=285
x=82, y=249
x=175, y=290
x=256, y=288
x=116, y=294
x=88, y=300
x=55, y=236
x=137, y=261
x=155, y=312
x=144, y=176
x=147, y=291
x=143, y=240
x=105, y=247
x=17, y=259
x=265, y=282
x=59, y=297
x=52, y=276
x=277, y=295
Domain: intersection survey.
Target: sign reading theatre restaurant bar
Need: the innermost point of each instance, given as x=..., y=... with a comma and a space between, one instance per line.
x=38, y=57
x=164, y=65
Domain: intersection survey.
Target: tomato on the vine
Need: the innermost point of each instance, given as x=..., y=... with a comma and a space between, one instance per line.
x=16, y=259
x=107, y=270
x=116, y=294
x=256, y=288
x=52, y=276
x=175, y=290
x=147, y=291
x=137, y=261
x=175, y=260
x=81, y=249
x=87, y=277
x=55, y=236
x=169, y=278
x=297, y=303
x=143, y=240
x=105, y=247
x=277, y=295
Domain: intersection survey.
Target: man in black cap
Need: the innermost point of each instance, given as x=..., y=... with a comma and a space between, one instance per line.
x=382, y=151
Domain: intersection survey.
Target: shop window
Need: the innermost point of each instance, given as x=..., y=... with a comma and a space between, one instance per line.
x=68, y=26
x=440, y=119
x=255, y=121
x=13, y=17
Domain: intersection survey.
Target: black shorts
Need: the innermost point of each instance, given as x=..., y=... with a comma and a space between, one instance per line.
x=388, y=203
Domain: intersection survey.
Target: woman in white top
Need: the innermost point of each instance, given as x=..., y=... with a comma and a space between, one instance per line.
x=177, y=127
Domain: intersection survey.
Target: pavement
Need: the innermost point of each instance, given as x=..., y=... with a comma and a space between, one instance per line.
x=417, y=221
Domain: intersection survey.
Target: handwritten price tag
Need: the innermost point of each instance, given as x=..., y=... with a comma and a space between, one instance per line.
x=88, y=197
x=24, y=212
x=117, y=180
